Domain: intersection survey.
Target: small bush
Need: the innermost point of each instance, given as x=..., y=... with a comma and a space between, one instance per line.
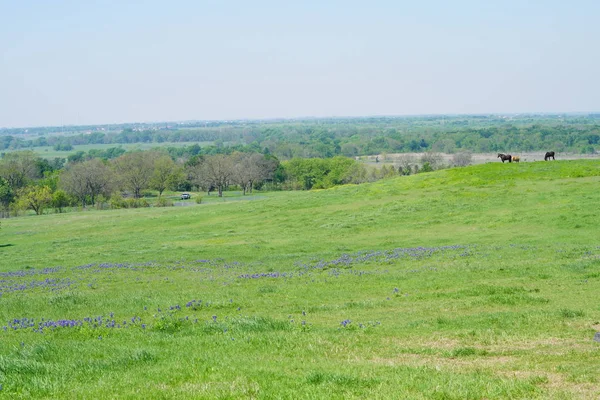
x=426, y=167
x=198, y=199
x=462, y=159
x=117, y=201
x=137, y=203
x=568, y=313
x=163, y=202
x=102, y=203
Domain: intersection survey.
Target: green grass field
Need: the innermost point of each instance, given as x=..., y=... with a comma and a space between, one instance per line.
x=49, y=153
x=471, y=283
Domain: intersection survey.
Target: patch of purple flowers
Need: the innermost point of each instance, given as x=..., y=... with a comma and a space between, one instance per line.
x=53, y=284
x=49, y=324
x=345, y=260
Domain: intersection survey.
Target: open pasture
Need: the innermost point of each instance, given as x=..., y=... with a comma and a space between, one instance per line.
x=49, y=153
x=478, y=282
x=477, y=158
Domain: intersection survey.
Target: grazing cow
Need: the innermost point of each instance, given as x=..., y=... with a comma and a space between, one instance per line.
x=505, y=157
x=549, y=155
x=516, y=158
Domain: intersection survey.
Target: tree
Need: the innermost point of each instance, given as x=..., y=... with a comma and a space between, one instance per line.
x=249, y=168
x=434, y=160
x=50, y=179
x=60, y=200
x=462, y=159
x=215, y=171
x=165, y=174
x=19, y=168
x=134, y=171
x=35, y=198
x=406, y=163
x=87, y=180
x=243, y=170
x=267, y=168
x=7, y=195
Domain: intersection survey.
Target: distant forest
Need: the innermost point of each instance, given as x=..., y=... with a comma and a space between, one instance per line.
x=329, y=137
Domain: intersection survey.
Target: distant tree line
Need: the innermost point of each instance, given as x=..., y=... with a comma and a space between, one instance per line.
x=351, y=137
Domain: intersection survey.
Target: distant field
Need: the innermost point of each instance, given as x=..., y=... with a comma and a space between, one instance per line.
x=466, y=283
x=478, y=158
x=48, y=152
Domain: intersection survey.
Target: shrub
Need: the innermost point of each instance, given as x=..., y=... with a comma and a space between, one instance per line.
x=60, y=200
x=426, y=167
x=198, y=199
x=462, y=159
x=435, y=160
x=164, y=202
x=117, y=201
x=136, y=203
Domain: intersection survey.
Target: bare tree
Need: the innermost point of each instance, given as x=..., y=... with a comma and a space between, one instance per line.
x=134, y=171
x=87, y=180
x=250, y=168
x=435, y=160
x=462, y=159
x=405, y=164
x=244, y=169
x=216, y=171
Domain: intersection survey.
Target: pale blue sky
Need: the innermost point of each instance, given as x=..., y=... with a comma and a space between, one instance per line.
x=85, y=62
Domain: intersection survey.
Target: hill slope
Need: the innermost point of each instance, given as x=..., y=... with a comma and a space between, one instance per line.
x=479, y=282
x=520, y=203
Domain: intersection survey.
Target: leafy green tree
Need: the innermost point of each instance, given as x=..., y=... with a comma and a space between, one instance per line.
x=77, y=157
x=166, y=174
x=337, y=171
x=50, y=179
x=35, y=198
x=19, y=168
x=60, y=200
x=318, y=173
x=7, y=195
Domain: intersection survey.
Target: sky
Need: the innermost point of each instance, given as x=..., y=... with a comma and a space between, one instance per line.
x=91, y=62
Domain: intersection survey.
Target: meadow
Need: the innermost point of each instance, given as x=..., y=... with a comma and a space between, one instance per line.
x=49, y=153
x=465, y=283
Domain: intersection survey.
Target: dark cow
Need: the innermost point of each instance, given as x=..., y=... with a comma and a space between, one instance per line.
x=549, y=155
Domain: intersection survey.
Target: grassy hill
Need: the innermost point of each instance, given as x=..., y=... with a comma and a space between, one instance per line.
x=479, y=282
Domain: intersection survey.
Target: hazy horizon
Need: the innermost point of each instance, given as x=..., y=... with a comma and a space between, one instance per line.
x=68, y=63
x=309, y=117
